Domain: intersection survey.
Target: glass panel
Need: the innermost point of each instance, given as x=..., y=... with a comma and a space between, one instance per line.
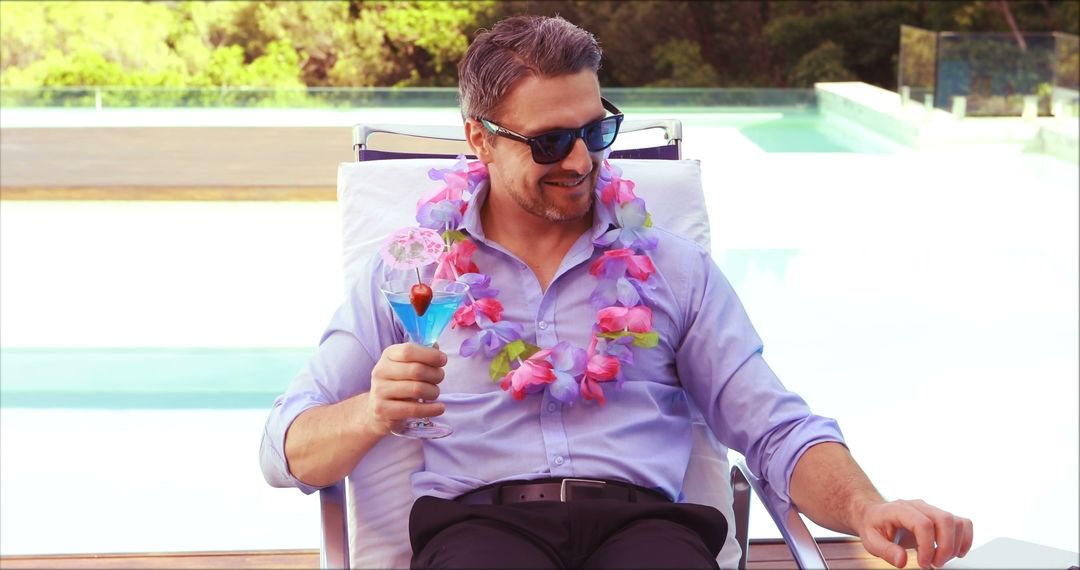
x=918, y=52
x=378, y=97
x=995, y=71
x=1066, y=95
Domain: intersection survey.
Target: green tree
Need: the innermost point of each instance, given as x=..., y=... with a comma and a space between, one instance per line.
x=681, y=60
x=824, y=63
x=354, y=43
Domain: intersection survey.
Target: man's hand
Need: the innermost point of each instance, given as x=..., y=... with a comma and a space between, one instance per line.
x=830, y=488
x=404, y=374
x=937, y=535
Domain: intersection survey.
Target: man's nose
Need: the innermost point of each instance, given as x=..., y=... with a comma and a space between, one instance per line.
x=579, y=160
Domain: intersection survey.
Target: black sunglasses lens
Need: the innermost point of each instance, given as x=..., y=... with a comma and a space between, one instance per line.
x=552, y=147
x=556, y=145
x=601, y=134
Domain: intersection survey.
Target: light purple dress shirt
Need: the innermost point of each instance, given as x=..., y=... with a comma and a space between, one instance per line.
x=708, y=353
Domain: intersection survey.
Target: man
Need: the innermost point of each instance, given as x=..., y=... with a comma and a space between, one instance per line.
x=489, y=493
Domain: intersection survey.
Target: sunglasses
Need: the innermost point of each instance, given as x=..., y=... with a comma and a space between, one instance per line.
x=553, y=146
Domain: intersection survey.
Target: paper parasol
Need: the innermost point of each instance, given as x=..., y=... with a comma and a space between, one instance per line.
x=409, y=248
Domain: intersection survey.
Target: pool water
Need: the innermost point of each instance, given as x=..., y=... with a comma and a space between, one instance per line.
x=146, y=378
x=803, y=133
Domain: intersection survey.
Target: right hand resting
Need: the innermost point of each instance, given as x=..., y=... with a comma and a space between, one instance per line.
x=405, y=374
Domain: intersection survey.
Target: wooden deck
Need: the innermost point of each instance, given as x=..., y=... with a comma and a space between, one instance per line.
x=841, y=554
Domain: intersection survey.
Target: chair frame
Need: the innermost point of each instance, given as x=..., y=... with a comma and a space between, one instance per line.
x=443, y=137
x=447, y=141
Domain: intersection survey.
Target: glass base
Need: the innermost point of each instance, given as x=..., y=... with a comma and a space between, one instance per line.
x=421, y=428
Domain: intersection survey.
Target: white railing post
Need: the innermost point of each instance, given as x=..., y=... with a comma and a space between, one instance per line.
x=959, y=106
x=1031, y=107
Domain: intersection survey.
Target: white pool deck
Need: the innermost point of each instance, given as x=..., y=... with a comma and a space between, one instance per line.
x=928, y=300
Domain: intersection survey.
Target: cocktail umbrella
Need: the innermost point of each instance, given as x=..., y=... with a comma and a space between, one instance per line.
x=412, y=247
x=409, y=248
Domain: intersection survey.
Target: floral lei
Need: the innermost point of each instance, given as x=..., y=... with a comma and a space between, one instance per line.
x=624, y=275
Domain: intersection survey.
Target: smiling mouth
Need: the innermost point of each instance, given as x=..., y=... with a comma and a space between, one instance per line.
x=568, y=183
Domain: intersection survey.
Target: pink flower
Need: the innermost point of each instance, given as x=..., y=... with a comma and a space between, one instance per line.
x=458, y=261
x=452, y=191
x=639, y=267
x=490, y=307
x=533, y=375
x=477, y=170
x=617, y=319
x=602, y=368
x=618, y=191
x=590, y=390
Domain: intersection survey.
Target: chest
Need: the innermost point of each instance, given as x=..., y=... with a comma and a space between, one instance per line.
x=546, y=316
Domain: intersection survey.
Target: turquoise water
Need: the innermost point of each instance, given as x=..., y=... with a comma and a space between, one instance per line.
x=802, y=133
x=146, y=378
x=426, y=329
x=792, y=131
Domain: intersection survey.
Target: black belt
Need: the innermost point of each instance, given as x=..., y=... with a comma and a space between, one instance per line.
x=562, y=490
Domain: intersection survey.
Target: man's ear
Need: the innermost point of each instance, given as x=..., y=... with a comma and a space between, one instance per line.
x=478, y=142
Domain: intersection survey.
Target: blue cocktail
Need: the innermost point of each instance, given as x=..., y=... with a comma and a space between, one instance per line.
x=424, y=329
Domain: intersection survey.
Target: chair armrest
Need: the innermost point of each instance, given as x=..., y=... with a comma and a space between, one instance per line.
x=334, y=551
x=798, y=538
x=362, y=131
x=740, y=505
x=672, y=127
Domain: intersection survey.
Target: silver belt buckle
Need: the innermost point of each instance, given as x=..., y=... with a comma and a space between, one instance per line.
x=584, y=482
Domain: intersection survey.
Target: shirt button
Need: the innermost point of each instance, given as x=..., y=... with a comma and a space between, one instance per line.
x=542, y=325
x=552, y=406
x=559, y=460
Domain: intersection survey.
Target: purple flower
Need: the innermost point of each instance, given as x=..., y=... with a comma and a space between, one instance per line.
x=630, y=231
x=479, y=286
x=628, y=292
x=440, y=215
x=568, y=363
x=491, y=338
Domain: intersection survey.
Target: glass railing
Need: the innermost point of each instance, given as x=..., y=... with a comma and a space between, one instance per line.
x=990, y=74
x=374, y=97
x=918, y=52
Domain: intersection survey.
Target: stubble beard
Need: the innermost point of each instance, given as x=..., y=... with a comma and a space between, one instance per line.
x=538, y=205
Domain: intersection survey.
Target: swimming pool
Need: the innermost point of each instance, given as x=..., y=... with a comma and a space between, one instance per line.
x=146, y=378
x=908, y=294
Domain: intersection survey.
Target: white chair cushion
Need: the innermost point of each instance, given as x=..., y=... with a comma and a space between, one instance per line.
x=378, y=197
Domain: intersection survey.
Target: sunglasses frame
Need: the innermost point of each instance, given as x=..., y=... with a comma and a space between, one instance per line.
x=579, y=133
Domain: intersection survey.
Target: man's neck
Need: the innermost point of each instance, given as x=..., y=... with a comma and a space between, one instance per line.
x=539, y=242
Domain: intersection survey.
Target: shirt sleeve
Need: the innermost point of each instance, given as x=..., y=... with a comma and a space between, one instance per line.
x=339, y=369
x=720, y=362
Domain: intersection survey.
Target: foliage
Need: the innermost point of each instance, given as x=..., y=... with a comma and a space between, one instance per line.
x=284, y=45
x=823, y=63
x=681, y=60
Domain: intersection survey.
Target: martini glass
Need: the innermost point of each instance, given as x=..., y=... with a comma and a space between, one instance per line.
x=424, y=330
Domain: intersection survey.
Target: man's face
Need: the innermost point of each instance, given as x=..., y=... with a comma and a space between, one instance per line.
x=559, y=192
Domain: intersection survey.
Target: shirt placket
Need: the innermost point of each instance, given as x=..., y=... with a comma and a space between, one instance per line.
x=552, y=428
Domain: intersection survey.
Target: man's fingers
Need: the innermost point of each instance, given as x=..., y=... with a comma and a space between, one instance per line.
x=948, y=541
x=411, y=352
x=936, y=535
x=397, y=410
x=969, y=536
x=405, y=390
x=387, y=369
x=923, y=528
x=879, y=545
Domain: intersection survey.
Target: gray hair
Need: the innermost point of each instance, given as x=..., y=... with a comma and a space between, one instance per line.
x=514, y=48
